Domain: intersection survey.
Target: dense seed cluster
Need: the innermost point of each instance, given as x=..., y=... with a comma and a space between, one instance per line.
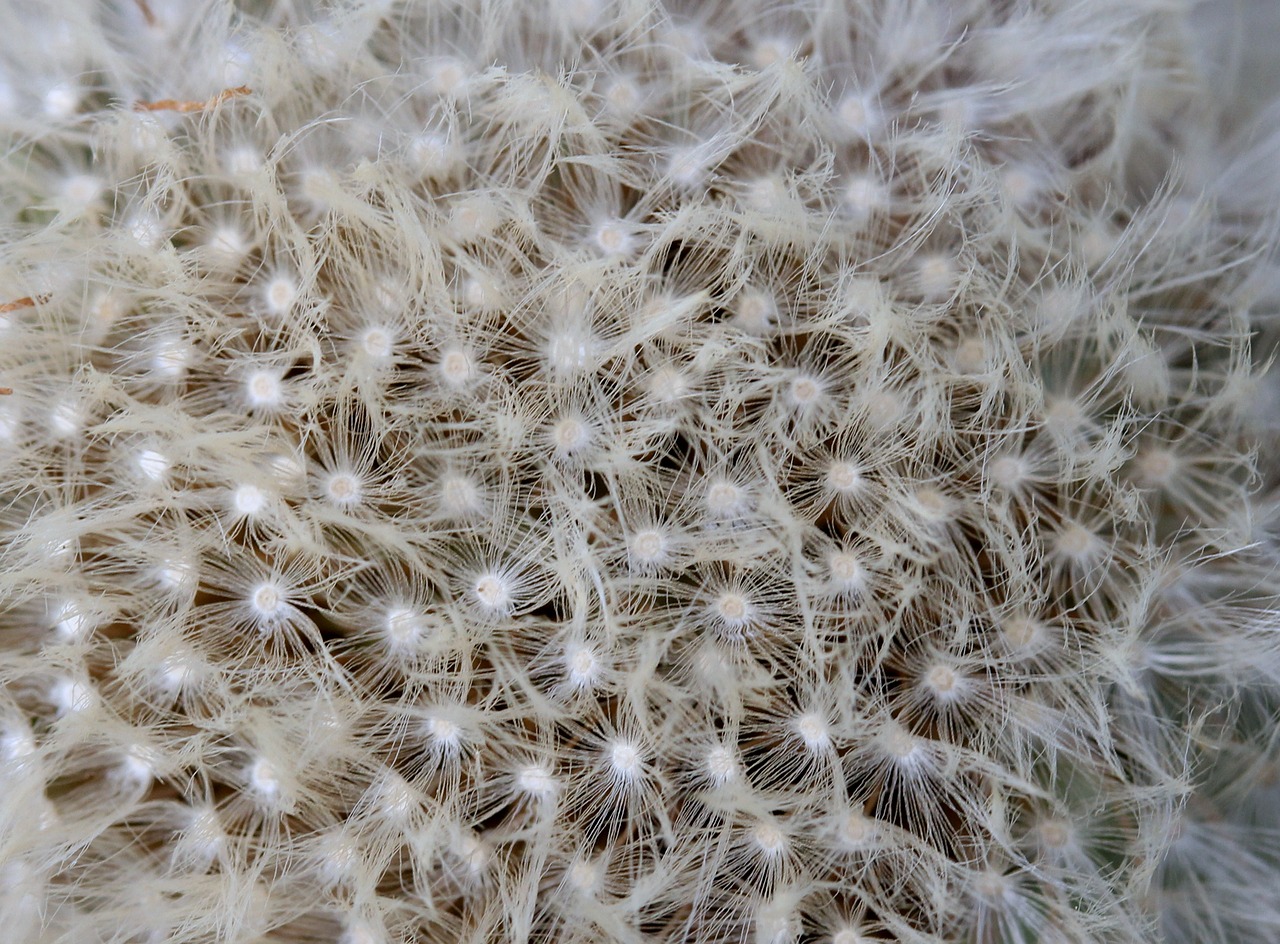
x=614, y=471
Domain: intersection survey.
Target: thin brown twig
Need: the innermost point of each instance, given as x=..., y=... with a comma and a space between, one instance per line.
x=188, y=106
x=145, y=9
x=28, y=301
x=5, y=391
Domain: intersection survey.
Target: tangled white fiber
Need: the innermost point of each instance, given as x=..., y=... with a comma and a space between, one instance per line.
x=636, y=471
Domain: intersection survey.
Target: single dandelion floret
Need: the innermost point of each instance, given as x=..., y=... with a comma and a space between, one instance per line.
x=72, y=621
x=570, y=351
x=769, y=839
x=937, y=275
x=648, y=547
x=80, y=192
x=474, y=218
x=67, y=418
x=732, y=613
x=493, y=593
x=582, y=666
x=264, y=780
x=176, y=573
x=667, y=385
x=944, y=683
x=688, y=166
x=1076, y=543
x=137, y=766
x=170, y=358
x=1156, y=467
x=152, y=465
x=248, y=500
x=570, y=436
x=456, y=367
x=805, y=391
x=721, y=766
x=392, y=797
x=146, y=229
x=725, y=498
x=279, y=295
x=473, y=853
x=932, y=505
x=444, y=735
x=402, y=630
x=227, y=244
x=614, y=239
x=1008, y=472
x=343, y=489
x=537, y=782
x=1023, y=634
x=902, y=748
x=461, y=496
x=857, y=831
x=264, y=389
x=623, y=97
x=585, y=876
x=845, y=572
x=863, y=196
x=268, y=602
x=843, y=477
x=858, y=114
x=432, y=154
x=625, y=763
x=71, y=696
x=755, y=312
x=771, y=50
x=242, y=161
x=447, y=76
x=377, y=343
x=813, y=731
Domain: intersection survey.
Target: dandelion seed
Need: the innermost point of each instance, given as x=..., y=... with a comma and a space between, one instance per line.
x=402, y=629
x=377, y=343
x=845, y=572
x=769, y=839
x=844, y=477
x=264, y=389
x=570, y=436
x=724, y=499
x=279, y=295
x=858, y=114
x=445, y=735
x=625, y=765
x=537, y=782
x=721, y=766
x=70, y=696
x=267, y=601
x=80, y=192
x=460, y=496
x=613, y=238
x=264, y=780
x=153, y=465
x=1008, y=472
x=1075, y=542
x=343, y=489
x=582, y=666
x=649, y=547
x=248, y=500
x=1156, y=467
x=457, y=368
x=493, y=592
x=813, y=732
x=170, y=359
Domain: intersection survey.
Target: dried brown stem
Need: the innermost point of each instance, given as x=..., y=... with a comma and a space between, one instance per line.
x=191, y=105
